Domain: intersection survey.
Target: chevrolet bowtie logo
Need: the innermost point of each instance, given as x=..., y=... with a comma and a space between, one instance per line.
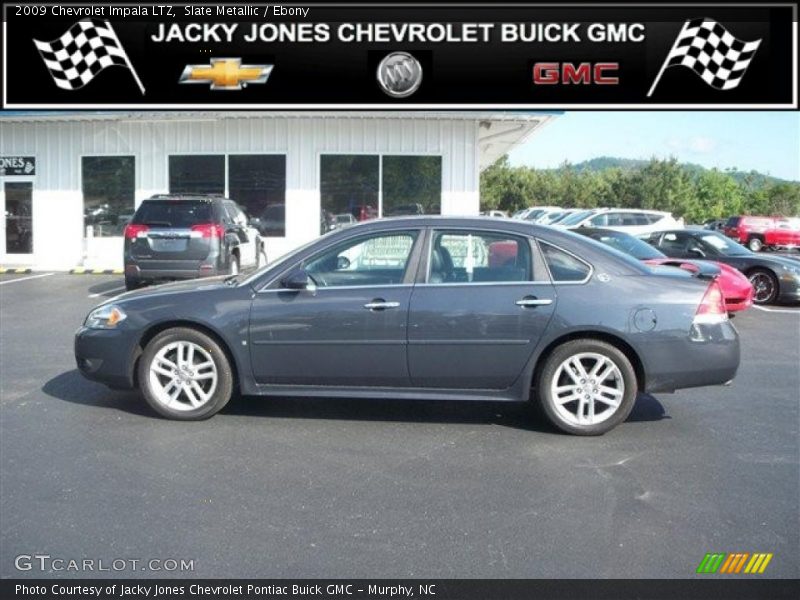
x=226, y=74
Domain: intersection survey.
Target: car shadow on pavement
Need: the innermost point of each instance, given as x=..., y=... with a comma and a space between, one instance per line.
x=108, y=289
x=72, y=387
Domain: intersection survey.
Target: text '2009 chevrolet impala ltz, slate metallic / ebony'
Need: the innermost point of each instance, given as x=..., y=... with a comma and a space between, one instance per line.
x=427, y=308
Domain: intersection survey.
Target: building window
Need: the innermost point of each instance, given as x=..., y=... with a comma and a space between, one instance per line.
x=257, y=182
x=412, y=185
x=348, y=185
x=19, y=217
x=108, y=184
x=197, y=174
x=351, y=185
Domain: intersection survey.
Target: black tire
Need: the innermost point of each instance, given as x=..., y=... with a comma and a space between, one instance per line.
x=132, y=283
x=224, y=387
x=755, y=243
x=546, y=375
x=765, y=286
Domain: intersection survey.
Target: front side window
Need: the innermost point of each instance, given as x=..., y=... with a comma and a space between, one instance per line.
x=376, y=260
x=479, y=257
x=108, y=184
x=564, y=267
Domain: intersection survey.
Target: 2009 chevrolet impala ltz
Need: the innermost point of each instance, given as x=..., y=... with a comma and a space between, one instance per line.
x=427, y=308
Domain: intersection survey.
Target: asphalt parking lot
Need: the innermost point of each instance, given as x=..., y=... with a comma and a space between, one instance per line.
x=351, y=488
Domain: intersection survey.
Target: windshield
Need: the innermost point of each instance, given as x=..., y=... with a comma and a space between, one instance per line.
x=724, y=245
x=173, y=213
x=626, y=243
x=575, y=218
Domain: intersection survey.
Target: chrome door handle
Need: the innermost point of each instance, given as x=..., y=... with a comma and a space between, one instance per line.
x=530, y=301
x=381, y=305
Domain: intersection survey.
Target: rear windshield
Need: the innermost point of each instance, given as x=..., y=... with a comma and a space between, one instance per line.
x=174, y=213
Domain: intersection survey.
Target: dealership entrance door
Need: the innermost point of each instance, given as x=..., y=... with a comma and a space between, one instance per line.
x=16, y=202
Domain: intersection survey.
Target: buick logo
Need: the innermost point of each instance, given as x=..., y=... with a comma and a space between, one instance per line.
x=399, y=74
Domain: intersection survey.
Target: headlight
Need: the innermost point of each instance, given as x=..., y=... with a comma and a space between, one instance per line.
x=105, y=317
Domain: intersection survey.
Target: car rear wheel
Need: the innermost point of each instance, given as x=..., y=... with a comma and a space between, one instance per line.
x=185, y=375
x=755, y=244
x=132, y=283
x=587, y=387
x=765, y=286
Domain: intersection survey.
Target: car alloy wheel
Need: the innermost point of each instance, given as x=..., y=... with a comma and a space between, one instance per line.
x=755, y=244
x=765, y=288
x=234, y=265
x=183, y=376
x=586, y=387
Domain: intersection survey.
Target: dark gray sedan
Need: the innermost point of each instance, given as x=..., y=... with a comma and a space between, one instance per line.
x=427, y=308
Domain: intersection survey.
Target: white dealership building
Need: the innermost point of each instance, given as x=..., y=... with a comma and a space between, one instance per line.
x=70, y=181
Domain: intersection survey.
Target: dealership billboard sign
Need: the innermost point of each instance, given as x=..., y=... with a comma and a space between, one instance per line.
x=449, y=56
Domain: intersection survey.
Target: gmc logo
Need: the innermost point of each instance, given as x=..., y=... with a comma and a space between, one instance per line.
x=551, y=73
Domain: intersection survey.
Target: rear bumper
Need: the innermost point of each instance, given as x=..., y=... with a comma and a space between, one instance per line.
x=149, y=270
x=708, y=356
x=107, y=355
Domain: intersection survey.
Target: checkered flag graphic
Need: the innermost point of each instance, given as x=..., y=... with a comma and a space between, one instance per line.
x=88, y=47
x=710, y=50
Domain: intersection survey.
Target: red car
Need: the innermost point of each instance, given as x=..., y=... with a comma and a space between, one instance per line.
x=759, y=232
x=736, y=288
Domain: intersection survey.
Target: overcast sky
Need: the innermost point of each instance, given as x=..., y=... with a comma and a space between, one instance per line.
x=765, y=141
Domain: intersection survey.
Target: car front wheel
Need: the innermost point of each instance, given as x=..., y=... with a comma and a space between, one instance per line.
x=185, y=375
x=765, y=286
x=586, y=387
x=755, y=244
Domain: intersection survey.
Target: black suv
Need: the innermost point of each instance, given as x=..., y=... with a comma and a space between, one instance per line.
x=183, y=236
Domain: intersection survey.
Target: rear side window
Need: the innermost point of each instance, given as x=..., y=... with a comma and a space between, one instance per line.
x=732, y=222
x=479, y=257
x=564, y=267
x=174, y=213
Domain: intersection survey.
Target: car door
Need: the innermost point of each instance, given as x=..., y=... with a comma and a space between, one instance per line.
x=479, y=310
x=349, y=327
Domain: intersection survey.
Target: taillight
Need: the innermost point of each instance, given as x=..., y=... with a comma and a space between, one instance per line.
x=132, y=230
x=209, y=230
x=712, y=306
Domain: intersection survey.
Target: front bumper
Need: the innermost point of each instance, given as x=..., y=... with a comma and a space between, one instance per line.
x=788, y=288
x=107, y=355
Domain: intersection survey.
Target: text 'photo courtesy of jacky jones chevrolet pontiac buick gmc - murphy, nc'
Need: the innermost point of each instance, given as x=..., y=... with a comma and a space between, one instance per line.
x=436, y=308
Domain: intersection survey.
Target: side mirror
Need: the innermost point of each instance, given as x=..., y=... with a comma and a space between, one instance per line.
x=298, y=279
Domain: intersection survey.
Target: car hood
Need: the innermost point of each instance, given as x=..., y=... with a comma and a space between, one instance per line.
x=177, y=287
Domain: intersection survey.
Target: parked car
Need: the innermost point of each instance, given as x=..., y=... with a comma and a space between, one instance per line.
x=784, y=235
x=715, y=224
x=774, y=278
x=630, y=220
x=535, y=212
x=760, y=233
x=404, y=210
x=177, y=236
x=554, y=219
x=412, y=308
x=736, y=288
x=498, y=214
x=343, y=220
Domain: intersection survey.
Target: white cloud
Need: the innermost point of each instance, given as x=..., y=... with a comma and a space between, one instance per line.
x=697, y=144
